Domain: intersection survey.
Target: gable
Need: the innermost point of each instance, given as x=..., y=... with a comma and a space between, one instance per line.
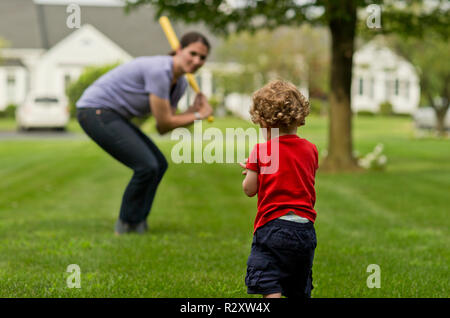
x=86, y=46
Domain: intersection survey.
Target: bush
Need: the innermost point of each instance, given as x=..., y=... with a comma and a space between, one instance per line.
x=215, y=102
x=365, y=113
x=89, y=76
x=385, y=109
x=318, y=106
x=9, y=111
x=315, y=106
x=139, y=121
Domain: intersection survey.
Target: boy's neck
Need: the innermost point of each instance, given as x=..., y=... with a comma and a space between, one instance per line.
x=281, y=132
x=288, y=132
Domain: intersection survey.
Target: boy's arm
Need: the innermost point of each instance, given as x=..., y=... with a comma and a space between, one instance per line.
x=250, y=183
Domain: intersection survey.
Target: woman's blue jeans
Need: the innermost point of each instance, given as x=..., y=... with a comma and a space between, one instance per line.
x=129, y=145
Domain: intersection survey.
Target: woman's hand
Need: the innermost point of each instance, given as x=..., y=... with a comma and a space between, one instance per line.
x=202, y=106
x=198, y=102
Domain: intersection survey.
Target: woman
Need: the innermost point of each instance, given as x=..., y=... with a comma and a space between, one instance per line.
x=145, y=85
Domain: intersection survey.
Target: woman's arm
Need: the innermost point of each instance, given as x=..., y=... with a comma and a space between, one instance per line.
x=196, y=106
x=167, y=120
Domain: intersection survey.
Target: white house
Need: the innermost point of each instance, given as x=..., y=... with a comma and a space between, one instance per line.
x=65, y=61
x=43, y=54
x=13, y=82
x=380, y=75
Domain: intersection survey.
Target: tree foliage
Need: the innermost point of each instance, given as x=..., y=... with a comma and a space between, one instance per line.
x=344, y=18
x=228, y=16
x=299, y=55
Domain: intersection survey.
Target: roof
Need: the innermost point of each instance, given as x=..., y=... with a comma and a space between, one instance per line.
x=18, y=24
x=26, y=24
x=11, y=62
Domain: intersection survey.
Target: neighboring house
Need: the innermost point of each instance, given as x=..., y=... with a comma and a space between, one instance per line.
x=43, y=55
x=380, y=75
x=13, y=82
x=65, y=61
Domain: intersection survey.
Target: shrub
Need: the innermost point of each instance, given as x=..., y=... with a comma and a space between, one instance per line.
x=386, y=109
x=9, y=111
x=316, y=106
x=214, y=101
x=89, y=76
x=365, y=113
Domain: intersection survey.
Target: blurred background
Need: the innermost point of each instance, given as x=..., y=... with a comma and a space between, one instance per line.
x=377, y=76
x=398, y=53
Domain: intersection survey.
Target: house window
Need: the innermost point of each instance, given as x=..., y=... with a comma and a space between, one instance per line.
x=10, y=87
x=361, y=88
x=67, y=80
x=214, y=83
x=396, y=87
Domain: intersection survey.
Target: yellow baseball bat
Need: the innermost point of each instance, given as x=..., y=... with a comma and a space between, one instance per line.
x=175, y=44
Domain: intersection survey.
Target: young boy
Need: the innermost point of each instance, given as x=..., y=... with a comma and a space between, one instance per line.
x=284, y=239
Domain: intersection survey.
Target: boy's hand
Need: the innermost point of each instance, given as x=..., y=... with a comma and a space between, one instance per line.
x=244, y=167
x=250, y=183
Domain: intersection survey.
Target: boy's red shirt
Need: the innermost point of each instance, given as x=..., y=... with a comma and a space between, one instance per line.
x=288, y=181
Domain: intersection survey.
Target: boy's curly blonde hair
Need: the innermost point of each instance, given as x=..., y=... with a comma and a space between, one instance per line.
x=279, y=104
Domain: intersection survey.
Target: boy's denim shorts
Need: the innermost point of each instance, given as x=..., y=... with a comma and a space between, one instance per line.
x=281, y=259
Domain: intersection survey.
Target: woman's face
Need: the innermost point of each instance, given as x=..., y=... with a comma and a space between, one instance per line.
x=192, y=57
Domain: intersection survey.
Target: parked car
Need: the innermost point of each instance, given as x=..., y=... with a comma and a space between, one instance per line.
x=43, y=112
x=425, y=117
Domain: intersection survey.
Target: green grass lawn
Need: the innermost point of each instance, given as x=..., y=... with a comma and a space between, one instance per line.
x=60, y=198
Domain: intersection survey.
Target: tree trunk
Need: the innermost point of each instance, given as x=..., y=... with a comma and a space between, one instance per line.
x=439, y=110
x=442, y=111
x=342, y=27
x=440, y=125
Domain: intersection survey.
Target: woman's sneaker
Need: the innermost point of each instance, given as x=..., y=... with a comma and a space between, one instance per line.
x=141, y=227
x=122, y=227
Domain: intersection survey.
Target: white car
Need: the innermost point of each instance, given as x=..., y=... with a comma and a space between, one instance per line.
x=425, y=117
x=43, y=112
